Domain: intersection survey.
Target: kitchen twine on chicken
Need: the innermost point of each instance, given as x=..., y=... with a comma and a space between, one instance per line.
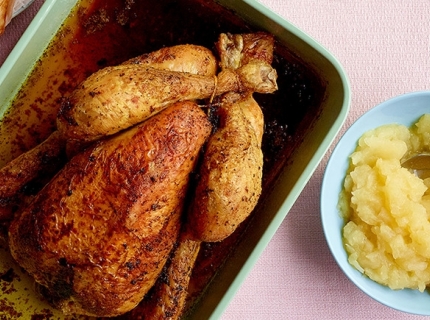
x=213, y=92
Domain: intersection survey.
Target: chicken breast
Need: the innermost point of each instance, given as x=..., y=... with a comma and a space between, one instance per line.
x=97, y=236
x=231, y=171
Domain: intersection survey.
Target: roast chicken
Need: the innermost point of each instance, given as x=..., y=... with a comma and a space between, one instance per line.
x=98, y=235
x=231, y=171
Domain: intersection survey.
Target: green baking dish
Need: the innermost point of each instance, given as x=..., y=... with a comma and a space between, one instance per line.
x=314, y=132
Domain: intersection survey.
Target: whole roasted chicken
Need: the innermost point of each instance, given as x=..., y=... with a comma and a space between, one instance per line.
x=98, y=235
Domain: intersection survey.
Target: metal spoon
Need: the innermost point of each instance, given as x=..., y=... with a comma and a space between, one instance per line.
x=419, y=165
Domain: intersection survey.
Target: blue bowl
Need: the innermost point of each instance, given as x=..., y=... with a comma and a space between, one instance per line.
x=405, y=109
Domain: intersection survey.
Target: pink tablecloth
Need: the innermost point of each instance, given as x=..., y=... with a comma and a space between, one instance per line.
x=384, y=47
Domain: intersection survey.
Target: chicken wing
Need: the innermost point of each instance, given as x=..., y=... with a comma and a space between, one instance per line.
x=98, y=235
x=25, y=168
x=28, y=164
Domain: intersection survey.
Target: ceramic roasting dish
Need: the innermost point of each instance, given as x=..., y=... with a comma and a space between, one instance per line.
x=302, y=118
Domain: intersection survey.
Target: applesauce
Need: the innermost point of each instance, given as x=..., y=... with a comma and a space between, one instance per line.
x=387, y=208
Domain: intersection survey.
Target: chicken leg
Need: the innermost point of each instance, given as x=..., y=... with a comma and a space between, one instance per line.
x=116, y=98
x=231, y=171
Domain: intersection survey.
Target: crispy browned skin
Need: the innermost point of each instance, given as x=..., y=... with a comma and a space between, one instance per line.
x=169, y=294
x=97, y=236
x=25, y=167
x=18, y=172
x=231, y=171
x=182, y=58
x=116, y=98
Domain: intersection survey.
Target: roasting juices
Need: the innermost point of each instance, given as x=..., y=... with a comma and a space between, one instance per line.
x=106, y=33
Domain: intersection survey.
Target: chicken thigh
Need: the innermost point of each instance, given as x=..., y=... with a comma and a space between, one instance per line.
x=97, y=236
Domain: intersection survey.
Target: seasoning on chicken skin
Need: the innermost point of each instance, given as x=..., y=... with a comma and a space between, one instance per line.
x=230, y=173
x=13, y=177
x=181, y=58
x=98, y=235
x=118, y=97
x=83, y=265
